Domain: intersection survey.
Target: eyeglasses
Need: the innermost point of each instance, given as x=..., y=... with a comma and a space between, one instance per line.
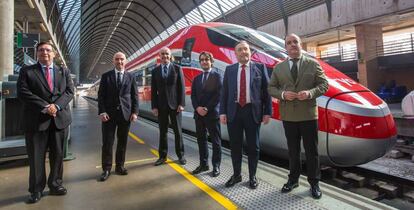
x=44, y=50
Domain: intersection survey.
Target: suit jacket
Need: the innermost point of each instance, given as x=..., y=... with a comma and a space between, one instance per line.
x=207, y=95
x=259, y=97
x=34, y=92
x=169, y=92
x=310, y=77
x=110, y=96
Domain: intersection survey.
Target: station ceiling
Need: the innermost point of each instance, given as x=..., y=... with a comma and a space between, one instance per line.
x=95, y=29
x=109, y=26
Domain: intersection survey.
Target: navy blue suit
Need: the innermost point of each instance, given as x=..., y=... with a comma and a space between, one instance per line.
x=207, y=95
x=119, y=103
x=246, y=119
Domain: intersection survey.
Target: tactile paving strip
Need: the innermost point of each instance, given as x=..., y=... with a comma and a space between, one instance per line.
x=266, y=196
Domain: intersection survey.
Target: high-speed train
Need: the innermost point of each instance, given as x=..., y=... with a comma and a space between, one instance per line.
x=355, y=126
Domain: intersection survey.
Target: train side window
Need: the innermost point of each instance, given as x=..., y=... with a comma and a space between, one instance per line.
x=187, y=49
x=220, y=40
x=139, y=77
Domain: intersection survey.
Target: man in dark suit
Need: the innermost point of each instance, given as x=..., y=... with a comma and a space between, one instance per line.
x=167, y=102
x=45, y=90
x=118, y=106
x=244, y=104
x=297, y=82
x=205, y=97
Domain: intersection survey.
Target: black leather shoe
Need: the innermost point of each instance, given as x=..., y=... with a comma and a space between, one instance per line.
x=121, y=170
x=316, y=192
x=160, y=161
x=34, y=197
x=216, y=172
x=58, y=191
x=182, y=161
x=253, y=183
x=233, y=180
x=104, y=176
x=200, y=169
x=289, y=186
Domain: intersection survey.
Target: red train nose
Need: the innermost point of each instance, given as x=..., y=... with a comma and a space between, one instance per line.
x=359, y=122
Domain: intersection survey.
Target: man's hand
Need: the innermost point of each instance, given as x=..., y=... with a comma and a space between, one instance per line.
x=51, y=110
x=201, y=111
x=289, y=95
x=180, y=108
x=223, y=119
x=155, y=112
x=303, y=95
x=266, y=119
x=104, y=117
x=133, y=118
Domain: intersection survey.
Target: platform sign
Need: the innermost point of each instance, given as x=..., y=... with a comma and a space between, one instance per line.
x=27, y=40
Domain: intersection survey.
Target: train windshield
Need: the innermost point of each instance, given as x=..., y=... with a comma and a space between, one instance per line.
x=270, y=44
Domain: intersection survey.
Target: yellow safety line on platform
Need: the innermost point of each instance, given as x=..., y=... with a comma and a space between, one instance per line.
x=134, y=161
x=225, y=202
x=133, y=136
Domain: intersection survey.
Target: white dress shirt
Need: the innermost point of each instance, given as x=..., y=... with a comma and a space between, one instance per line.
x=247, y=73
x=290, y=67
x=122, y=74
x=202, y=78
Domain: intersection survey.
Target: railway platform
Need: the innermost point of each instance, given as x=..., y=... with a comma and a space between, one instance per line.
x=169, y=186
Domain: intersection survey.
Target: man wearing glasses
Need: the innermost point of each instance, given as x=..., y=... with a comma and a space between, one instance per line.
x=45, y=90
x=205, y=98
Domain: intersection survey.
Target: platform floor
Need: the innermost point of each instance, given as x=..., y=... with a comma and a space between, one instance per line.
x=169, y=186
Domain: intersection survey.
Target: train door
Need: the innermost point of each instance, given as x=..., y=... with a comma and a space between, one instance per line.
x=187, y=49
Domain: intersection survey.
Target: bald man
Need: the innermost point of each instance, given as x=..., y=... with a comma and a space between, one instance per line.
x=118, y=106
x=167, y=103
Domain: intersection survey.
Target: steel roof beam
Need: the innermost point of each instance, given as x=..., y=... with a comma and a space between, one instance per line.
x=285, y=17
x=249, y=14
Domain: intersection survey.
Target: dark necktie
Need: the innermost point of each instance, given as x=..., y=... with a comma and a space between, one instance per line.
x=165, y=71
x=118, y=80
x=48, y=78
x=205, y=77
x=294, y=69
x=242, y=99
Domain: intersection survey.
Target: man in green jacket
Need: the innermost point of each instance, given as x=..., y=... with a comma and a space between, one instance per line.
x=297, y=82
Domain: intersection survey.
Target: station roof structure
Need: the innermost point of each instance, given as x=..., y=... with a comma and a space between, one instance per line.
x=93, y=30
x=134, y=26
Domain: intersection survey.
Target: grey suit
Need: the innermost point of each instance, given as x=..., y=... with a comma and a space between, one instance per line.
x=300, y=117
x=166, y=95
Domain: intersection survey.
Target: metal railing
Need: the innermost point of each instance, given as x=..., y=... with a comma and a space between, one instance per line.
x=387, y=48
x=344, y=54
x=395, y=47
